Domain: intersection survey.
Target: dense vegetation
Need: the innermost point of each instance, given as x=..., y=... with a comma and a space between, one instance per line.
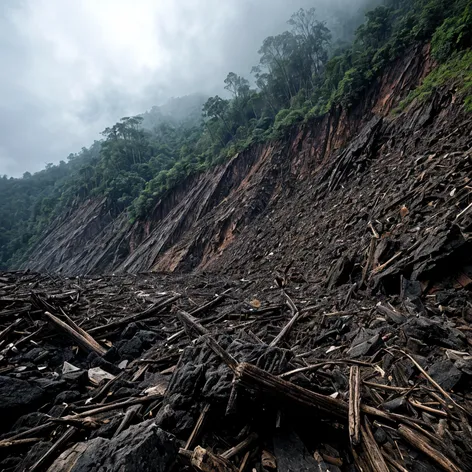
x=302, y=73
x=450, y=45
x=116, y=169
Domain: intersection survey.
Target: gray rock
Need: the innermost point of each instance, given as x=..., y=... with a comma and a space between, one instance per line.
x=445, y=374
x=364, y=348
x=395, y=404
x=147, y=337
x=18, y=398
x=339, y=272
x=124, y=392
x=33, y=354
x=30, y=420
x=293, y=456
x=132, y=348
x=464, y=365
x=76, y=378
x=68, y=396
x=143, y=447
x=129, y=331
x=97, y=361
x=107, y=430
x=34, y=454
x=50, y=387
x=380, y=436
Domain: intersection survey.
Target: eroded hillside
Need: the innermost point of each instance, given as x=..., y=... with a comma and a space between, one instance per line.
x=315, y=198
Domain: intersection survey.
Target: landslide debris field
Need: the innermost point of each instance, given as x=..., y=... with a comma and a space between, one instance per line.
x=167, y=373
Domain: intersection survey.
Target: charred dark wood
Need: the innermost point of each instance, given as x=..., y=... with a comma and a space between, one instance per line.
x=206, y=461
x=4, y=333
x=209, y=305
x=288, y=327
x=194, y=325
x=194, y=436
x=99, y=330
x=116, y=406
x=255, y=378
x=372, y=451
x=242, y=446
x=420, y=442
x=54, y=450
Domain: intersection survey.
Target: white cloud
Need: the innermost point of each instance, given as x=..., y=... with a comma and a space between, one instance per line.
x=73, y=67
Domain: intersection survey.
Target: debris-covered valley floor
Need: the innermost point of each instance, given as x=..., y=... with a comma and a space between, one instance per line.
x=159, y=372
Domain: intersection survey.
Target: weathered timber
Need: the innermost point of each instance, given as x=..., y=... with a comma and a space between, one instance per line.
x=354, y=405
x=83, y=342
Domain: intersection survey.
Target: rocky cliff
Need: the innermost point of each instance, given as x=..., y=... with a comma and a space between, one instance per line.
x=318, y=197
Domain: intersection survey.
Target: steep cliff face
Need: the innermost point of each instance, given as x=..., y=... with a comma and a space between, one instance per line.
x=80, y=240
x=309, y=197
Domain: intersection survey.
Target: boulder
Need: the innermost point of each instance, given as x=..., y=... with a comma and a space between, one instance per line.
x=18, y=398
x=143, y=447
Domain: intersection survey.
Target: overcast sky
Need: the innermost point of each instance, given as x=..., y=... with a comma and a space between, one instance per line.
x=72, y=67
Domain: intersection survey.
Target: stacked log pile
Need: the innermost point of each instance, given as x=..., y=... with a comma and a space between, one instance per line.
x=168, y=373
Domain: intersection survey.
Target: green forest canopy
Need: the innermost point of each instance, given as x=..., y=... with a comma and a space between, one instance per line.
x=302, y=73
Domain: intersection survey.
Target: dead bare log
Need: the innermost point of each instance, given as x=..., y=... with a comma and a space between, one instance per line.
x=420, y=442
x=87, y=343
x=100, y=330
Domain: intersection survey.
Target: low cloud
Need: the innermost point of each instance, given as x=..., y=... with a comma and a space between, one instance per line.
x=71, y=68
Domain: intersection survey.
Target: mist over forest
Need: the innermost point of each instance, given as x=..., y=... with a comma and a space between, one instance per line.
x=74, y=68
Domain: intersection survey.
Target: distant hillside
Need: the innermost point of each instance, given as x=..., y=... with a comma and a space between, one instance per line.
x=132, y=152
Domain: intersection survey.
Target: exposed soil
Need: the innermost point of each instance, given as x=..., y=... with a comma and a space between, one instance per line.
x=202, y=220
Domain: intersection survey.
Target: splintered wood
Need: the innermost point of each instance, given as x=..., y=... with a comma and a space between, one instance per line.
x=354, y=405
x=292, y=382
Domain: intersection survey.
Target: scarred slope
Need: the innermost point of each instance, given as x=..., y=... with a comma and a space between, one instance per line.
x=252, y=183
x=308, y=197
x=398, y=208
